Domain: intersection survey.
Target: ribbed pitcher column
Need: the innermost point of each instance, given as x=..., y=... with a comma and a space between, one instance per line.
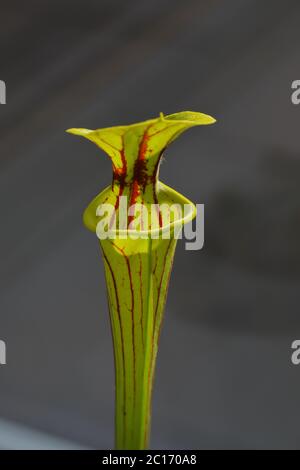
x=137, y=271
x=136, y=317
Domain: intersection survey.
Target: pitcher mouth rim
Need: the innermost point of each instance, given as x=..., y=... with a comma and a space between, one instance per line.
x=176, y=224
x=175, y=117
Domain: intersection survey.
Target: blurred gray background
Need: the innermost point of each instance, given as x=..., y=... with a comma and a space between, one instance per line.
x=224, y=375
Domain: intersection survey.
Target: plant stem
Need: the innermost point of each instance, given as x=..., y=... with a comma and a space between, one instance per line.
x=136, y=316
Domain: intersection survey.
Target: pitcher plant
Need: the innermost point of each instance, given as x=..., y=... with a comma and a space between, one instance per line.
x=138, y=248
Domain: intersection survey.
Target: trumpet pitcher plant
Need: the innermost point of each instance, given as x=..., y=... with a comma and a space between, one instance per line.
x=138, y=248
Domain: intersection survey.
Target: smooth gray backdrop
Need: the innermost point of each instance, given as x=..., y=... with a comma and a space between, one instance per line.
x=224, y=375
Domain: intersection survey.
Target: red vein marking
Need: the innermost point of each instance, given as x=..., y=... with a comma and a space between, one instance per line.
x=108, y=144
x=119, y=174
x=141, y=296
x=156, y=262
x=161, y=279
x=165, y=297
x=122, y=153
x=121, y=333
x=154, y=321
x=132, y=317
x=154, y=186
x=139, y=171
x=164, y=128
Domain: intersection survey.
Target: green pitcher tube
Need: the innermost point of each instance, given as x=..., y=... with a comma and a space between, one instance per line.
x=138, y=251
